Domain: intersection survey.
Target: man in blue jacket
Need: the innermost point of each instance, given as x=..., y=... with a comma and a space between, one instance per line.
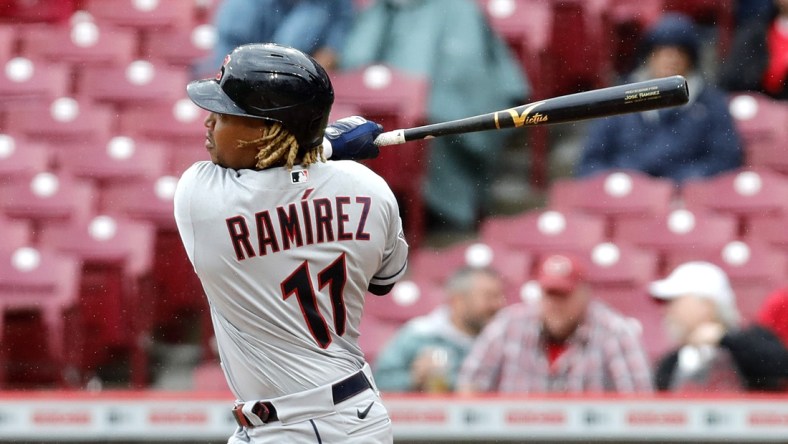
x=692, y=141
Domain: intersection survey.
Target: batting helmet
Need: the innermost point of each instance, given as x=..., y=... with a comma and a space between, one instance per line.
x=270, y=82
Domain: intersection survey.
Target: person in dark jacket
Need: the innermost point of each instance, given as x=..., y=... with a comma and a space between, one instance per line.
x=758, y=60
x=695, y=140
x=714, y=351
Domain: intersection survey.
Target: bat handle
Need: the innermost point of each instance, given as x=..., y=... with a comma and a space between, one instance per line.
x=394, y=137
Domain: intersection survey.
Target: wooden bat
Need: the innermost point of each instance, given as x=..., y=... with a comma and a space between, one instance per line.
x=629, y=98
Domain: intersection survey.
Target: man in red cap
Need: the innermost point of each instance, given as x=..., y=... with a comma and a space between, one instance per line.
x=565, y=342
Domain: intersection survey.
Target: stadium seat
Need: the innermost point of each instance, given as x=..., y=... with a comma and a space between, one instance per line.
x=178, y=123
x=613, y=195
x=754, y=268
x=83, y=43
x=25, y=81
x=40, y=11
x=680, y=230
x=14, y=233
x=761, y=122
x=138, y=84
x=180, y=47
x=62, y=120
x=143, y=15
x=396, y=100
x=746, y=194
x=545, y=230
x=177, y=292
x=113, y=318
x=47, y=199
x=19, y=156
x=770, y=230
x=8, y=35
x=44, y=281
x=407, y=300
x=438, y=264
x=119, y=158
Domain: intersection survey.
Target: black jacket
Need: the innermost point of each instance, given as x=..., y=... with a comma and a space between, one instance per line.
x=759, y=354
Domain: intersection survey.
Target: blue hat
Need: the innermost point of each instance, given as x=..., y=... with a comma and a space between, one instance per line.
x=673, y=29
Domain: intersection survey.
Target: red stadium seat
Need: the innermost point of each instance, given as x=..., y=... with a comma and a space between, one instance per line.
x=761, y=121
x=181, y=48
x=143, y=15
x=44, y=281
x=138, y=84
x=178, y=123
x=438, y=265
x=679, y=230
x=745, y=194
x=37, y=11
x=80, y=44
x=770, y=230
x=396, y=100
x=113, y=317
x=753, y=267
x=177, y=292
x=613, y=195
x=20, y=157
x=545, y=230
x=8, y=34
x=62, y=120
x=25, y=81
x=407, y=300
x=47, y=199
x=14, y=233
x=119, y=158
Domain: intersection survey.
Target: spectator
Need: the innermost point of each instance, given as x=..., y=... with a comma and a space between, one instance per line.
x=425, y=355
x=758, y=60
x=316, y=27
x=695, y=140
x=714, y=352
x=567, y=342
x=472, y=71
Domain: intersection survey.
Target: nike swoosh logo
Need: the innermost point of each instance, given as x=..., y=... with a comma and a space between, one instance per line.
x=363, y=413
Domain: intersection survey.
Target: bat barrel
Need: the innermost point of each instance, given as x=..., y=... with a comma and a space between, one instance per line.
x=632, y=97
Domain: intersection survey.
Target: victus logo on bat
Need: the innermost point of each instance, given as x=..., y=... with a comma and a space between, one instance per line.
x=524, y=118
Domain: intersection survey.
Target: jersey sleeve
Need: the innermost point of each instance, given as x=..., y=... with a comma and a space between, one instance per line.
x=395, y=256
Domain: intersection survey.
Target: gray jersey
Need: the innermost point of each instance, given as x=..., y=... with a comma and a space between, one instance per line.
x=285, y=259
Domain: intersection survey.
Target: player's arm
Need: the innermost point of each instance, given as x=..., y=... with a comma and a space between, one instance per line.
x=351, y=138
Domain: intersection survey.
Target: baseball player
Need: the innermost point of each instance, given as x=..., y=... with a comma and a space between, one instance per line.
x=287, y=245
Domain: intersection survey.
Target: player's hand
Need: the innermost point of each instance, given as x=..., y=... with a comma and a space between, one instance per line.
x=353, y=138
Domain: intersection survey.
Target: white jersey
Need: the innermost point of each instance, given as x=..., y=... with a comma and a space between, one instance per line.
x=285, y=259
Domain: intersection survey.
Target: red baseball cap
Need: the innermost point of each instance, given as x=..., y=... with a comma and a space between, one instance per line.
x=560, y=273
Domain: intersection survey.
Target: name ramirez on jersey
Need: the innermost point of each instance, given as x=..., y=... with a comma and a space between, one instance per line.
x=308, y=222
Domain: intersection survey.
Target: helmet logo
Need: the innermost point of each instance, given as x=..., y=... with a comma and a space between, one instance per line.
x=221, y=70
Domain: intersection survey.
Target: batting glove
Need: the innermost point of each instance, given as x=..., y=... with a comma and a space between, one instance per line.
x=351, y=138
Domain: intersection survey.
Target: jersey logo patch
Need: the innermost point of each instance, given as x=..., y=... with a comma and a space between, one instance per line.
x=299, y=176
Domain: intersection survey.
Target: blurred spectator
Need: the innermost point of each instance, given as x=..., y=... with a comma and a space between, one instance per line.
x=316, y=27
x=426, y=353
x=758, y=60
x=472, y=71
x=567, y=342
x=714, y=352
x=694, y=140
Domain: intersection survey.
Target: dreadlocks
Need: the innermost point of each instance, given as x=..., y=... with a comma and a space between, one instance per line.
x=277, y=146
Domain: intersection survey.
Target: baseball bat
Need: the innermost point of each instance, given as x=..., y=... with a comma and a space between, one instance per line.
x=629, y=98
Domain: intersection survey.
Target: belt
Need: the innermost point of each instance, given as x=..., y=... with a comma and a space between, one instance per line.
x=340, y=391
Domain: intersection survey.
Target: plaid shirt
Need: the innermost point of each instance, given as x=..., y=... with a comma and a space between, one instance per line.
x=604, y=354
